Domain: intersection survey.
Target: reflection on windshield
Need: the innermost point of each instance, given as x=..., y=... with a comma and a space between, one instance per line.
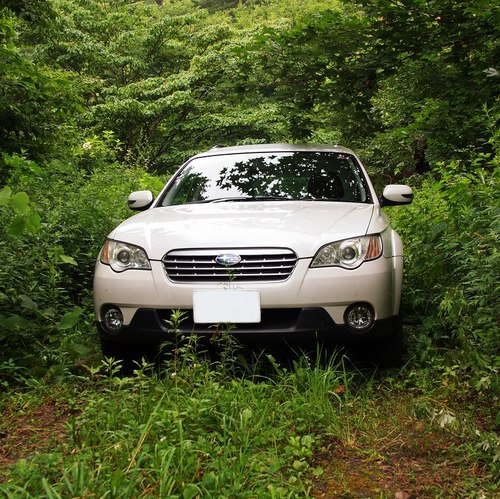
x=325, y=176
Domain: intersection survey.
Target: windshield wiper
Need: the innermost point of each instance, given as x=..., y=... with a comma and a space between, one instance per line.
x=272, y=198
x=219, y=200
x=236, y=199
x=321, y=199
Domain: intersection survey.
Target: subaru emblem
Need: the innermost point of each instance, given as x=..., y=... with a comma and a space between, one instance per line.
x=228, y=259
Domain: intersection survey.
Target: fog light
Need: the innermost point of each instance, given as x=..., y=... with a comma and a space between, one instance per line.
x=359, y=316
x=113, y=320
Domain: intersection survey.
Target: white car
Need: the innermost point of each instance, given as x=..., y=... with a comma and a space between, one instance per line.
x=281, y=241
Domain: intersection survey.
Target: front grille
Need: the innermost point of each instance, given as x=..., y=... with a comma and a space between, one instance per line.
x=261, y=265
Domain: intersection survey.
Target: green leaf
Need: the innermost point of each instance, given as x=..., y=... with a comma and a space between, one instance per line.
x=33, y=223
x=21, y=203
x=27, y=302
x=70, y=319
x=16, y=227
x=68, y=259
x=78, y=348
x=190, y=491
x=5, y=195
x=16, y=323
x=318, y=471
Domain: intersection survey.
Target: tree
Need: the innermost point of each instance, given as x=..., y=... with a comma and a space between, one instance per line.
x=164, y=84
x=35, y=102
x=439, y=85
x=408, y=82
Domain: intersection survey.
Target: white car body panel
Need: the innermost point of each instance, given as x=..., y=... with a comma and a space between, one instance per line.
x=303, y=226
x=307, y=287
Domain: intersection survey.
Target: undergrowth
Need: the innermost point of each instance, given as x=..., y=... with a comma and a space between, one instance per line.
x=451, y=297
x=191, y=428
x=232, y=425
x=236, y=427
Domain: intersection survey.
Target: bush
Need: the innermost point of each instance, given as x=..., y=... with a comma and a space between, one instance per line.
x=46, y=275
x=452, y=271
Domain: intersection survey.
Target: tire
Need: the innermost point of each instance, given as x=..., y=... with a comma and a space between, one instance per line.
x=130, y=355
x=388, y=352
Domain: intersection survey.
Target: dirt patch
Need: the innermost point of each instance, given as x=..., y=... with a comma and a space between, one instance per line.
x=351, y=473
x=34, y=430
x=398, y=457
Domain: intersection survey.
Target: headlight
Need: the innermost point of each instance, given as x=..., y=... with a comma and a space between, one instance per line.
x=350, y=253
x=122, y=256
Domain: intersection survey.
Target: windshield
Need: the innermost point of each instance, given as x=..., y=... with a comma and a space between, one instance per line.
x=327, y=176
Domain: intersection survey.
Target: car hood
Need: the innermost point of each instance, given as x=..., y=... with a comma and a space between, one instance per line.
x=303, y=226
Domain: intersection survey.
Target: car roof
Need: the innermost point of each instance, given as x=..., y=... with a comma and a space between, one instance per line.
x=269, y=148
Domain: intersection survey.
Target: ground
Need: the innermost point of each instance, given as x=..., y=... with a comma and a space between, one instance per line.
x=29, y=430
x=398, y=454
x=390, y=452
x=400, y=458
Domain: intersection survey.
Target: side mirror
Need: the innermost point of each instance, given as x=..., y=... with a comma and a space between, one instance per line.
x=396, y=194
x=140, y=200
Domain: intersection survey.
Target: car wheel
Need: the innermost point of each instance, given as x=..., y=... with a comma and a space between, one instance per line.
x=129, y=354
x=388, y=352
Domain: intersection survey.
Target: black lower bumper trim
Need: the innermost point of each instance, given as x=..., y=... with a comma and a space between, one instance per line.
x=296, y=325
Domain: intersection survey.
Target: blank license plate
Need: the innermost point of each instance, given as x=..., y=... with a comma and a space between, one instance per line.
x=216, y=306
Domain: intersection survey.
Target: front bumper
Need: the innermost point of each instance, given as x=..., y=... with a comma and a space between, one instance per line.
x=295, y=326
x=333, y=289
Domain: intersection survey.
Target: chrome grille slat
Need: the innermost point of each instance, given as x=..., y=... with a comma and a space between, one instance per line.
x=213, y=267
x=257, y=264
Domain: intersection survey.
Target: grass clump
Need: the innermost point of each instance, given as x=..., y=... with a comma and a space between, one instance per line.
x=190, y=429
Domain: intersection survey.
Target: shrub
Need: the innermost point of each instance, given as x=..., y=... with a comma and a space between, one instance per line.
x=451, y=235
x=46, y=275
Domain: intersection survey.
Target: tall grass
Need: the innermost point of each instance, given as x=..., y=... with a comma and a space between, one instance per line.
x=191, y=429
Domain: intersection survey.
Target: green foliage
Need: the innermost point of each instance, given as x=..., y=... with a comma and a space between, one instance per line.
x=312, y=72
x=433, y=81
x=37, y=13
x=26, y=219
x=408, y=83
x=94, y=94
x=153, y=78
x=193, y=431
x=46, y=276
x=452, y=265
x=35, y=102
x=215, y=5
